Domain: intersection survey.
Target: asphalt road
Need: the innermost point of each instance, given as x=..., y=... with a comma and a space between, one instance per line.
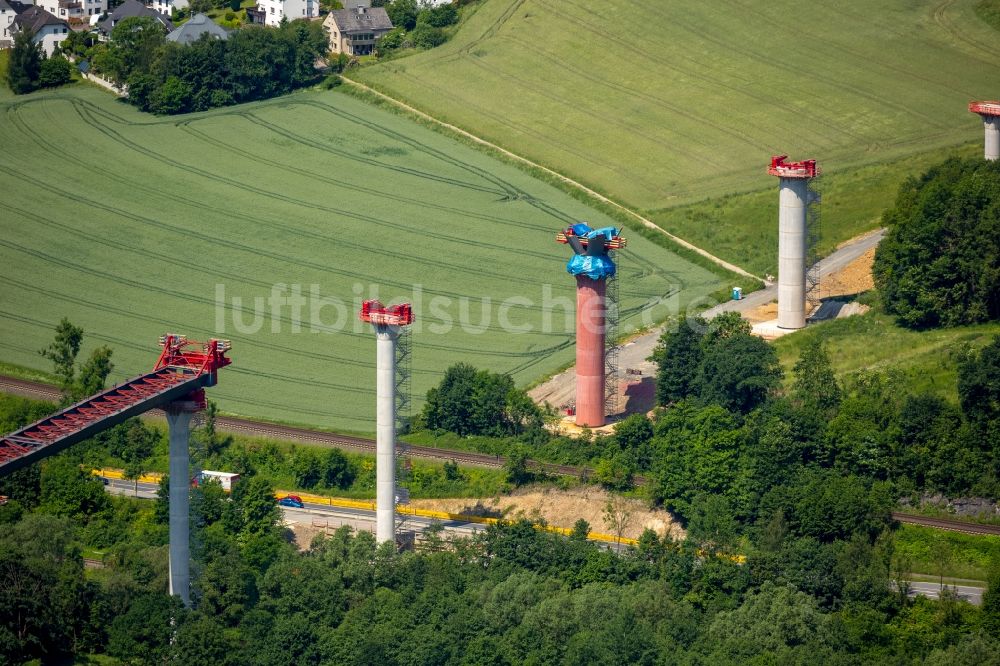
x=317, y=515
x=560, y=389
x=974, y=595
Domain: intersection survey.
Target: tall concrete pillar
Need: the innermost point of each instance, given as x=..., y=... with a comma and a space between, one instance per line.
x=794, y=201
x=179, y=422
x=385, y=433
x=590, y=332
x=991, y=125
x=990, y=113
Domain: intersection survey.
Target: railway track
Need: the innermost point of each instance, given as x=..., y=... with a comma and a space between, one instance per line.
x=241, y=426
x=947, y=524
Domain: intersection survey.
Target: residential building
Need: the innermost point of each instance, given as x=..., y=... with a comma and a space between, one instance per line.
x=198, y=25
x=8, y=10
x=271, y=12
x=73, y=9
x=354, y=31
x=128, y=9
x=166, y=7
x=49, y=30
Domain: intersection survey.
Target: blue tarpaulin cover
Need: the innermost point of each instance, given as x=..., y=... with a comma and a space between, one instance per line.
x=596, y=267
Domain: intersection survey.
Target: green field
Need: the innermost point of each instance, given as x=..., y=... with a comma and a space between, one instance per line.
x=931, y=551
x=927, y=359
x=664, y=103
x=130, y=225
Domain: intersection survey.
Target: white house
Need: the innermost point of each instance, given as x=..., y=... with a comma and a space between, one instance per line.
x=67, y=9
x=270, y=12
x=49, y=30
x=166, y=6
x=8, y=10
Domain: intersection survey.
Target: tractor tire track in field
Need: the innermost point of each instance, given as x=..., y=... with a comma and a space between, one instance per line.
x=57, y=261
x=784, y=65
x=565, y=179
x=776, y=63
x=336, y=242
x=352, y=187
x=691, y=72
x=58, y=153
x=203, y=174
x=705, y=153
x=821, y=37
x=565, y=65
x=940, y=16
x=515, y=193
x=541, y=137
x=286, y=258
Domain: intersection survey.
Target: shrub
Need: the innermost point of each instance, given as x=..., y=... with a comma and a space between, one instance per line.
x=55, y=71
x=427, y=36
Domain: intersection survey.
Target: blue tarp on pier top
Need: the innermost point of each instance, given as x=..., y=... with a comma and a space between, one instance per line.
x=596, y=267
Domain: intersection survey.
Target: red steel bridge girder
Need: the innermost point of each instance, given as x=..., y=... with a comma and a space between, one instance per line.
x=182, y=372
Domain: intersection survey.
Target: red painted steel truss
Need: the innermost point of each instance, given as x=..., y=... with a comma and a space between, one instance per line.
x=804, y=169
x=373, y=312
x=182, y=371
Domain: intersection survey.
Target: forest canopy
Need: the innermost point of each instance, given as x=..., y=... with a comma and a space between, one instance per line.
x=939, y=264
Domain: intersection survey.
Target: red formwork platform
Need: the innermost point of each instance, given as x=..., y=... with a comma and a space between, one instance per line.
x=804, y=169
x=985, y=108
x=373, y=312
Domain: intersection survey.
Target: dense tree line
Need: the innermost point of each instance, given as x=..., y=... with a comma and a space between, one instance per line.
x=509, y=595
x=939, y=264
x=416, y=25
x=28, y=68
x=869, y=432
x=255, y=62
x=479, y=402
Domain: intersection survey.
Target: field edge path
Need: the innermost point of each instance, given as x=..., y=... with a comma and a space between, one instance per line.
x=649, y=224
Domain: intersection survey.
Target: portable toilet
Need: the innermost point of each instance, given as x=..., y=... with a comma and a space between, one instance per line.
x=737, y=293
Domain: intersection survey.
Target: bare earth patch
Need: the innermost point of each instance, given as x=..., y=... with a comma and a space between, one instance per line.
x=855, y=278
x=561, y=508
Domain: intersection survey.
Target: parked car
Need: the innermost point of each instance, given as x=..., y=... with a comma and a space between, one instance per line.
x=293, y=501
x=3, y=499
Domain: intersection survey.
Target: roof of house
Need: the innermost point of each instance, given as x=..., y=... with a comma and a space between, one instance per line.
x=35, y=18
x=14, y=6
x=361, y=19
x=192, y=31
x=128, y=9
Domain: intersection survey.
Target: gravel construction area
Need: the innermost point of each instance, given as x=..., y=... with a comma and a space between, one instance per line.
x=561, y=508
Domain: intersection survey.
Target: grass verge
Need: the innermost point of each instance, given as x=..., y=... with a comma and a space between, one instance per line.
x=926, y=359
x=935, y=552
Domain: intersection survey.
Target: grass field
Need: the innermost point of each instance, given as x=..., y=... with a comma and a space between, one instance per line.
x=934, y=552
x=927, y=359
x=132, y=225
x=664, y=103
